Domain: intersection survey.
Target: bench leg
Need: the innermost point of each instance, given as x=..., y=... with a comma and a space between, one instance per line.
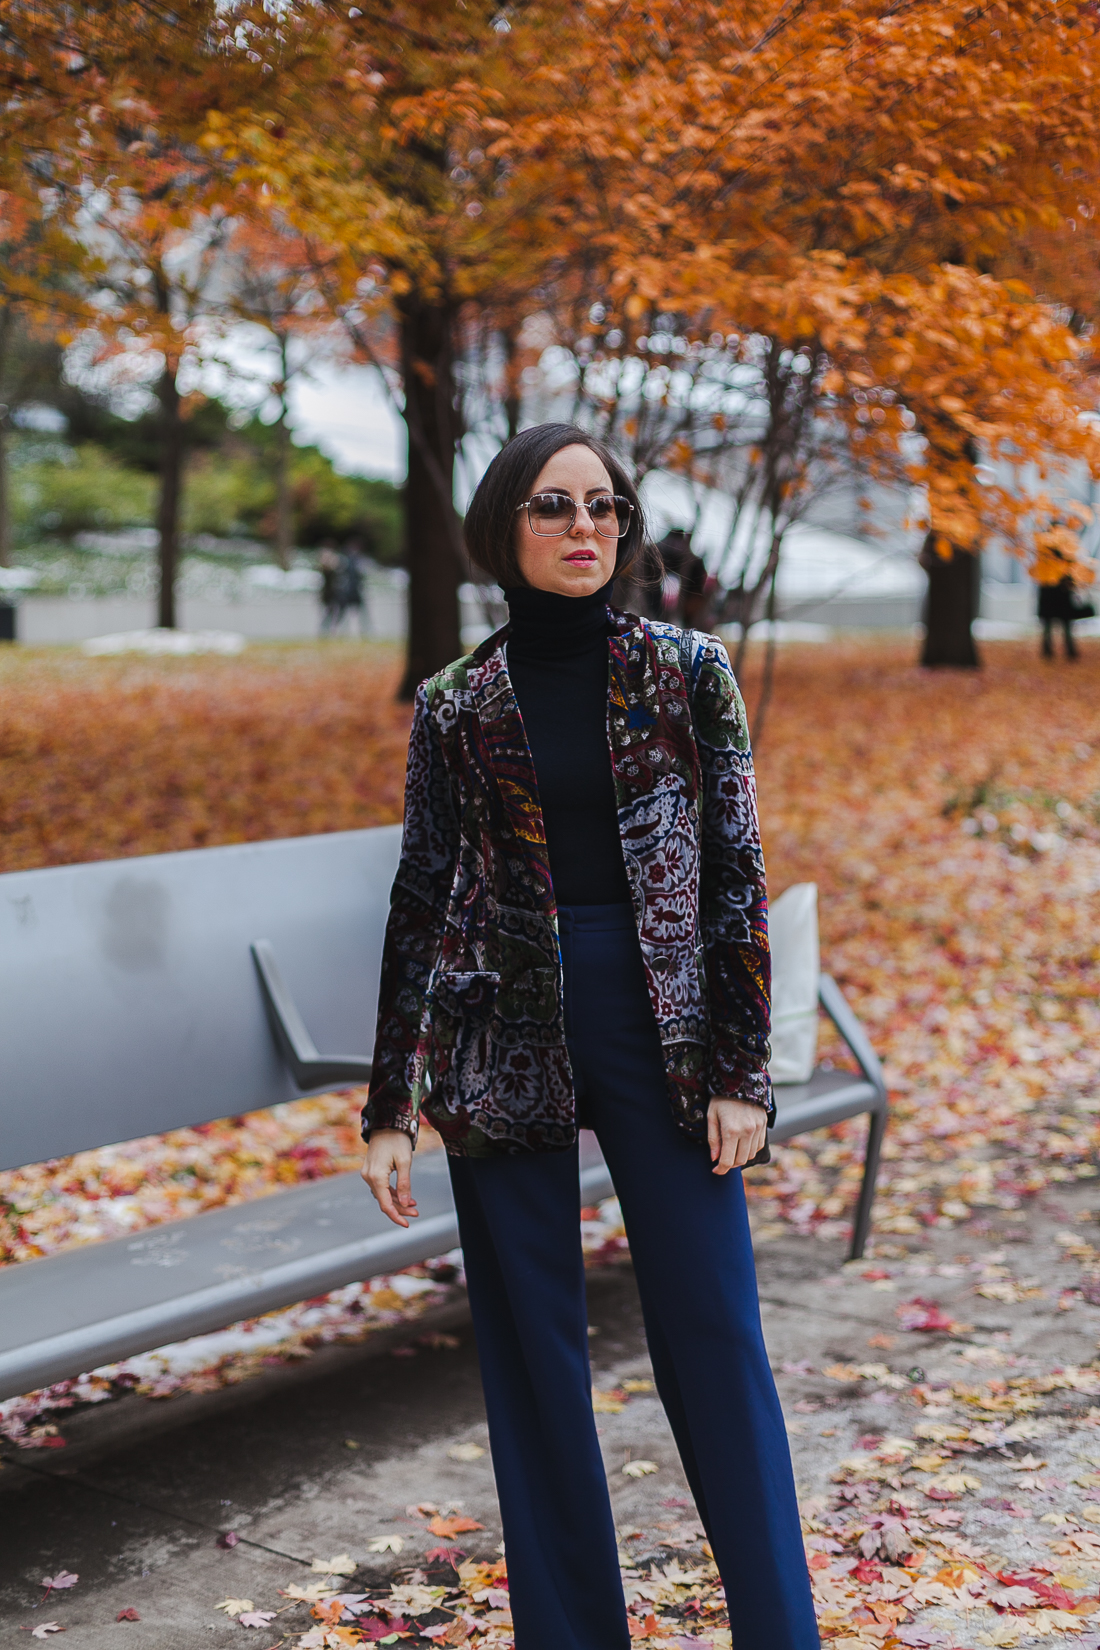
x=875, y=1132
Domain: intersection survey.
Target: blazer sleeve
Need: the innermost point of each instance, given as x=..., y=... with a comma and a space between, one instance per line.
x=414, y=930
x=733, y=895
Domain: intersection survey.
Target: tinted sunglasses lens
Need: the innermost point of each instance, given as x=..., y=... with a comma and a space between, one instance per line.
x=550, y=513
x=611, y=515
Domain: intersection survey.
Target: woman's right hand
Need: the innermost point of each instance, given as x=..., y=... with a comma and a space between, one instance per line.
x=390, y=1152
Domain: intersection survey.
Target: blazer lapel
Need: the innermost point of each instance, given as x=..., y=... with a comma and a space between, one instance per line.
x=508, y=756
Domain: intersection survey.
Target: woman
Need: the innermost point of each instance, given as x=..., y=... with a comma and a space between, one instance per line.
x=578, y=937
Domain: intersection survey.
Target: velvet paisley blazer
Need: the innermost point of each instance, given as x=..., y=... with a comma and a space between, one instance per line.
x=471, y=1012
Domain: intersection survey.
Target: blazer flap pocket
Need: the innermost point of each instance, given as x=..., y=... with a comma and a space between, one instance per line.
x=466, y=996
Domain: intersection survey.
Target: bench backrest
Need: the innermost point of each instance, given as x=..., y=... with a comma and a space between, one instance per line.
x=129, y=1000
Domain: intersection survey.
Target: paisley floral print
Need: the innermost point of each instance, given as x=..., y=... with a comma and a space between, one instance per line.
x=471, y=1017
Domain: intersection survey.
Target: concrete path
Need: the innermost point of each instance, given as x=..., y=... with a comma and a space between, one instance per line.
x=325, y=1458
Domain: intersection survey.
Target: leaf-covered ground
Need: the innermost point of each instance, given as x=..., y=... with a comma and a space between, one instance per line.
x=103, y=758
x=952, y=824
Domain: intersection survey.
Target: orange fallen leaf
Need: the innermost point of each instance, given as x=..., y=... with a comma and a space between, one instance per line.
x=457, y=1524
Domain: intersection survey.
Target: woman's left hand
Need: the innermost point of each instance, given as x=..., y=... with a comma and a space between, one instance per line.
x=736, y=1131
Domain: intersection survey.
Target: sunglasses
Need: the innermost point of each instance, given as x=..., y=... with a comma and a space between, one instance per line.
x=552, y=514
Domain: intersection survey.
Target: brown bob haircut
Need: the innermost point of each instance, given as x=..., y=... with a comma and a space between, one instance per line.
x=509, y=482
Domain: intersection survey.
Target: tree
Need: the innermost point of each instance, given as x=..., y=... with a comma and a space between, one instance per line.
x=38, y=307
x=268, y=283
x=382, y=164
x=838, y=183
x=109, y=99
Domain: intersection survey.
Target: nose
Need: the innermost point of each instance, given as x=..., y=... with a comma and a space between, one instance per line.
x=588, y=525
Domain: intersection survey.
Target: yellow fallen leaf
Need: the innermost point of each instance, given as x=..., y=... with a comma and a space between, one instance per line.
x=385, y=1544
x=636, y=1385
x=341, y=1565
x=957, y=1483
x=235, y=1606
x=465, y=1452
x=605, y=1403
x=1005, y=1635
x=639, y=1469
x=313, y=1594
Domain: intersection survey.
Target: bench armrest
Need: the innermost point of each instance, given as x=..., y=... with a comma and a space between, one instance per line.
x=310, y=1069
x=841, y=1013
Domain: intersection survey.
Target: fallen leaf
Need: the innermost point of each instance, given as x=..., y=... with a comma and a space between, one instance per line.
x=228, y=1538
x=637, y=1384
x=458, y=1524
x=1004, y=1636
x=308, y=1595
x=256, y=1618
x=63, y=1578
x=466, y=1452
x=45, y=1628
x=607, y=1403
x=639, y=1469
x=957, y=1483
x=129, y=1614
x=234, y=1606
x=341, y=1565
x=383, y=1544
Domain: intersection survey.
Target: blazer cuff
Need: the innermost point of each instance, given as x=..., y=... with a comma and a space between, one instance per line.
x=754, y=1087
x=386, y=1111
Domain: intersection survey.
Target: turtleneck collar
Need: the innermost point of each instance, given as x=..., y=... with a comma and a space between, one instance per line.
x=544, y=625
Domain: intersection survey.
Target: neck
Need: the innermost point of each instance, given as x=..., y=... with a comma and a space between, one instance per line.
x=544, y=625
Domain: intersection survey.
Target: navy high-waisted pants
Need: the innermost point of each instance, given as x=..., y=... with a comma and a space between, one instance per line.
x=519, y=1219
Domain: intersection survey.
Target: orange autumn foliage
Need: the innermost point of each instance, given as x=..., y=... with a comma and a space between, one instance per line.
x=108, y=758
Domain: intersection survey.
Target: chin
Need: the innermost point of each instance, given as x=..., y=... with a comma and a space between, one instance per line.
x=582, y=581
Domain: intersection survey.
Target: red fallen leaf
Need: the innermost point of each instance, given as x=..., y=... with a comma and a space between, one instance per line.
x=444, y=1555
x=375, y=1628
x=228, y=1538
x=457, y=1525
x=129, y=1614
x=875, y=1275
x=641, y=1629
x=935, y=1494
x=867, y=1571
x=924, y=1315
x=819, y=1561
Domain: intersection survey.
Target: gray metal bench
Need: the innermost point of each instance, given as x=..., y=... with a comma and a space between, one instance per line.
x=139, y=996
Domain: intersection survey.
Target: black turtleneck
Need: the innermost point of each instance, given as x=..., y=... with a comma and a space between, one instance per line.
x=557, y=660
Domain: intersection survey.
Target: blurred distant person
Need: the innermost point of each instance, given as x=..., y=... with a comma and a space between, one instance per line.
x=681, y=596
x=352, y=569
x=1056, y=564
x=329, y=563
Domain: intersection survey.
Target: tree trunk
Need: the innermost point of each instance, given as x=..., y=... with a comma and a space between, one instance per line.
x=5, y=495
x=954, y=591
x=284, y=524
x=5, y=492
x=168, y=507
x=431, y=525
x=513, y=404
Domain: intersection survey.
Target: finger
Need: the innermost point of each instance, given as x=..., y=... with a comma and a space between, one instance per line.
x=728, y=1158
x=385, y=1202
x=404, y=1190
x=378, y=1179
x=714, y=1133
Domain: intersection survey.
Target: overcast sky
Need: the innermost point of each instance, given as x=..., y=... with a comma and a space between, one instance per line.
x=345, y=411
